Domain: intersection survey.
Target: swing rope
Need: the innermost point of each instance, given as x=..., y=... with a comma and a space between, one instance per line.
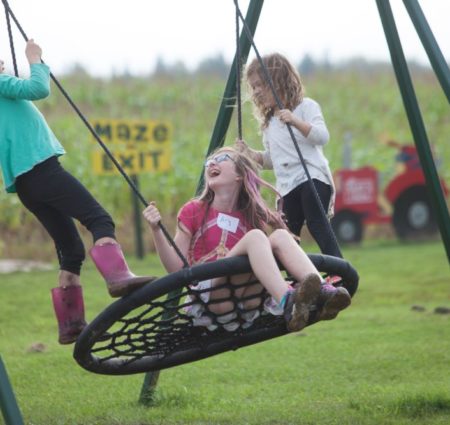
x=97, y=138
x=11, y=40
x=289, y=127
x=238, y=75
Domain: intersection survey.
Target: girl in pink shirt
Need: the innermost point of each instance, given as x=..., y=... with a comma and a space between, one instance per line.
x=230, y=218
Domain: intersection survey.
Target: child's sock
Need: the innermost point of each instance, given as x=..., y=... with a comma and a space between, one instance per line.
x=283, y=301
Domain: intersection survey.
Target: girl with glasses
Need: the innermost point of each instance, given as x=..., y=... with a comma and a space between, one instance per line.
x=230, y=218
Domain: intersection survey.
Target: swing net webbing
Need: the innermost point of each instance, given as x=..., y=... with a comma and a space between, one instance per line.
x=148, y=330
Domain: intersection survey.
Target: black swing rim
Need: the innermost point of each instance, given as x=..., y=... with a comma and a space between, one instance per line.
x=171, y=282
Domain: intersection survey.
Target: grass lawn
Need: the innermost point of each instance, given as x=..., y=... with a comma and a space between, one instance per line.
x=379, y=362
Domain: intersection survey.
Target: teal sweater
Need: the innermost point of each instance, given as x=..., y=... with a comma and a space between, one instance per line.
x=25, y=137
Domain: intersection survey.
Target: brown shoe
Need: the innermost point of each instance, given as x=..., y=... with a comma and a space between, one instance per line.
x=300, y=302
x=333, y=300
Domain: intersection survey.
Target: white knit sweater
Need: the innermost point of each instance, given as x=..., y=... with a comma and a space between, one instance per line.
x=281, y=156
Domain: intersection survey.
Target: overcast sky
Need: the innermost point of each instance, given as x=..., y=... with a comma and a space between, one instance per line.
x=107, y=36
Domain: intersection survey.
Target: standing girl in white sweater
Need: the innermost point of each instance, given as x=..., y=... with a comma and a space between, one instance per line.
x=310, y=131
x=304, y=115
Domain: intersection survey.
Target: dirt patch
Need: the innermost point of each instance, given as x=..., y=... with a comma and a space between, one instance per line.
x=11, y=266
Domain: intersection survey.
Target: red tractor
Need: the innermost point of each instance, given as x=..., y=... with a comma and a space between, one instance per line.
x=405, y=203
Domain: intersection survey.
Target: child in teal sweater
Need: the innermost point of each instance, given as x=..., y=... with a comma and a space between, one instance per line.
x=29, y=153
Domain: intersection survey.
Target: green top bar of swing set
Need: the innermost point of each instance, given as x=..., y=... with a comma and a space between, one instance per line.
x=228, y=99
x=414, y=116
x=430, y=45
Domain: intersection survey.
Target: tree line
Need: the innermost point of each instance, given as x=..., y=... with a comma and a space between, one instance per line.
x=218, y=66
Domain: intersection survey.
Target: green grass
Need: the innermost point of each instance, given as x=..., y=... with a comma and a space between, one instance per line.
x=380, y=362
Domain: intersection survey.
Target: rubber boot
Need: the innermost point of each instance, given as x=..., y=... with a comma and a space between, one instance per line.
x=111, y=264
x=69, y=309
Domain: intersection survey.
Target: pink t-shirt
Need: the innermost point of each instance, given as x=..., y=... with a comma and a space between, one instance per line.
x=213, y=236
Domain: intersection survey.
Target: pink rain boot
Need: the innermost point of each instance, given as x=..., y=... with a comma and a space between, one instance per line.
x=69, y=309
x=112, y=266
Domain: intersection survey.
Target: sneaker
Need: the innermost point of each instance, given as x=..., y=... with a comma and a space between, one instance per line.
x=333, y=301
x=333, y=279
x=300, y=301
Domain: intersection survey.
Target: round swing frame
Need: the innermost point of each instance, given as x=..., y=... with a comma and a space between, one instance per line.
x=126, y=351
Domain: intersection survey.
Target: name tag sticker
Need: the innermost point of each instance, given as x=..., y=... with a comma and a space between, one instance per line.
x=227, y=222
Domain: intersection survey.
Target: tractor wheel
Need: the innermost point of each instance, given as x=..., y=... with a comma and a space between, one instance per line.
x=347, y=226
x=413, y=216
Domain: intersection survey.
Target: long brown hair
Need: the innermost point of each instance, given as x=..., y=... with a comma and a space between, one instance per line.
x=250, y=202
x=286, y=82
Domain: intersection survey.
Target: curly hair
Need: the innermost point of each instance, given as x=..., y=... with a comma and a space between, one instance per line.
x=286, y=81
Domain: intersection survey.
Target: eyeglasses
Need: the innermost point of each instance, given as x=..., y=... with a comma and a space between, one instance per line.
x=218, y=159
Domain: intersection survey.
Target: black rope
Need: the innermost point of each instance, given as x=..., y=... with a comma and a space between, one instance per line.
x=11, y=39
x=101, y=143
x=291, y=133
x=238, y=75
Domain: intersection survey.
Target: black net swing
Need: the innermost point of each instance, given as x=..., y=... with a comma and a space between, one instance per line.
x=150, y=331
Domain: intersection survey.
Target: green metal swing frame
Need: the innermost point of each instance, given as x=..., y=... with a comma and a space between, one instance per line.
x=409, y=98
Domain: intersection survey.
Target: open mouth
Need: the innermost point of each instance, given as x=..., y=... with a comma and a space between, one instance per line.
x=214, y=172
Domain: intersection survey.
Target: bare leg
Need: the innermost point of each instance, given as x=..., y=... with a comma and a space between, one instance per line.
x=105, y=240
x=248, y=293
x=66, y=278
x=251, y=296
x=291, y=255
x=256, y=245
x=261, y=250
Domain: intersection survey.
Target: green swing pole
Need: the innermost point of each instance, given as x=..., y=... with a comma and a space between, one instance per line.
x=229, y=96
x=8, y=403
x=415, y=120
x=217, y=139
x=430, y=45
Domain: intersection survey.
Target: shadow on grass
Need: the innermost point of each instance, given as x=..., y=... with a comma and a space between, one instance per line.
x=417, y=407
x=422, y=406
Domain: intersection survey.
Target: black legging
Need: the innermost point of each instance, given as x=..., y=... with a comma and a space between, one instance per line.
x=54, y=196
x=300, y=204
